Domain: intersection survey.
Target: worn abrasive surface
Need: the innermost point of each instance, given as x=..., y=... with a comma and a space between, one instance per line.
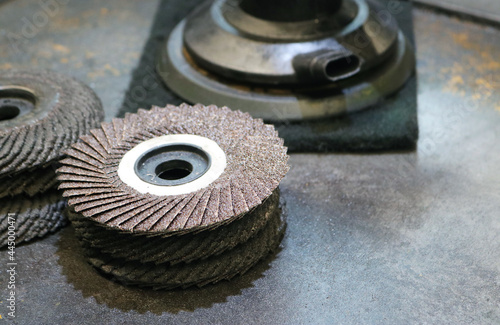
x=170, y=241
x=91, y=183
x=174, y=249
x=30, y=182
x=34, y=216
x=75, y=111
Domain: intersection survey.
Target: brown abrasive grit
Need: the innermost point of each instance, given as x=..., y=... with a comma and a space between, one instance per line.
x=198, y=273
x=31, y=217
x=29, y=182
x=256, y=163
x=174, y=249
x=170, y=241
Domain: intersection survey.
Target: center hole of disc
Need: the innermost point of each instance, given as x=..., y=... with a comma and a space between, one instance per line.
x=8, y=112
x=173, y=169
x=172, y=164
x=16, y=102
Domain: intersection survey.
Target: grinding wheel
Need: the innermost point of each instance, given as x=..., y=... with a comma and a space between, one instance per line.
x=41, y=114
x=129, y=175
x=199, y=273
x=176, y=196
x=174, y=249
x=30, y=182
x=34, y=216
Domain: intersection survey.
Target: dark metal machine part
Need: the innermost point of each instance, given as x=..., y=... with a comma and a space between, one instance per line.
x=296, y=10
x=309, y=64
x=224, y=39
x=398, y=238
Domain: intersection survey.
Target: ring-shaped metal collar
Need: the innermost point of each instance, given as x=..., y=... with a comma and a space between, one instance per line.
x=127, y=166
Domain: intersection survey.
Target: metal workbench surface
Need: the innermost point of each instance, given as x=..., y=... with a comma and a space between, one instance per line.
x=390, y=238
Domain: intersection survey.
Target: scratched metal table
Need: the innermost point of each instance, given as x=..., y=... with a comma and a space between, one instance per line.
x=394, y=238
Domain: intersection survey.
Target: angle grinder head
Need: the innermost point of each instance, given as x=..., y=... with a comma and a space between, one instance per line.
x=277, y=63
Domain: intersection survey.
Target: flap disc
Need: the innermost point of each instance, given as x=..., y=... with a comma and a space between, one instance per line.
x=177, y=196
x=41, y=114
x=173, y=170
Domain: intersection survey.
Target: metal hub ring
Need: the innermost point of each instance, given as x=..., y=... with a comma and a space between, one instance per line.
x=172, y=164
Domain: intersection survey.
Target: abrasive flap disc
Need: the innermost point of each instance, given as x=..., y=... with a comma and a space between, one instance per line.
x=30, y=217
x=42, y=114
x=200, y=272
x=177, y=184
x=31, y=182
x=128, y=174
x=176, y=249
